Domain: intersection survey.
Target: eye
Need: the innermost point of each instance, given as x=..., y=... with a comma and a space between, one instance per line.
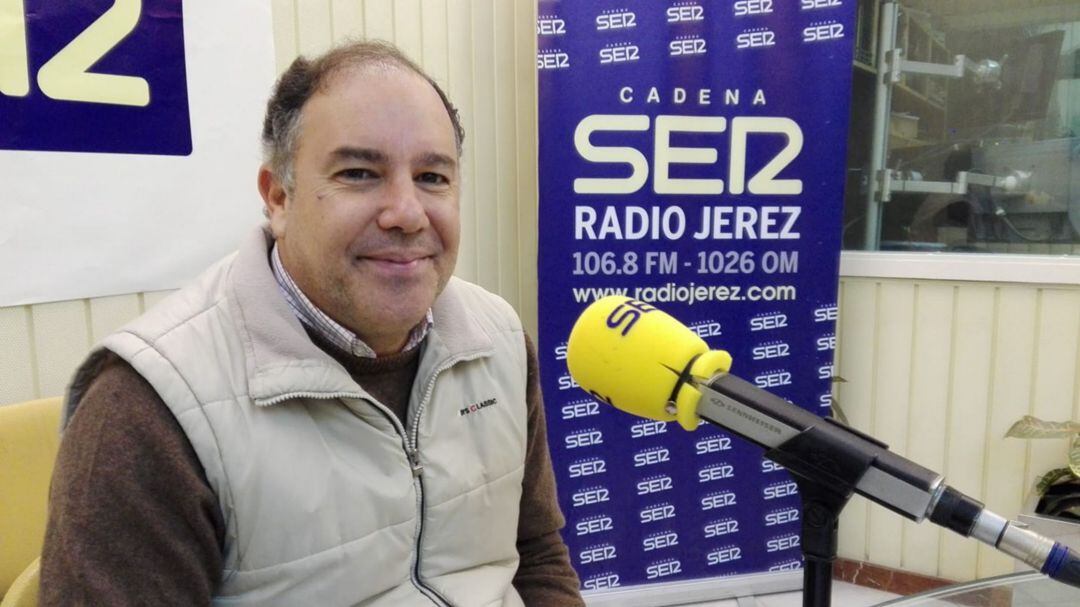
x=432, y=178
x=357, y=174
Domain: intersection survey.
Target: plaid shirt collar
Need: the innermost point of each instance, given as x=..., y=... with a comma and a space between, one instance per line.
x=326, y=327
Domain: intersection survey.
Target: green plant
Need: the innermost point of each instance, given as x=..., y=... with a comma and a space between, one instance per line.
x=1058, y=489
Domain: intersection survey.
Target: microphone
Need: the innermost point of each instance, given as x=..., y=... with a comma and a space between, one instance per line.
x=637, y=358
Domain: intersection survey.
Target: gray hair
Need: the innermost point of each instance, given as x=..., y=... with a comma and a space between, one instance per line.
x=305, y=77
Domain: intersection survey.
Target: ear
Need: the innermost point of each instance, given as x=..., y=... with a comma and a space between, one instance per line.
x=275, y=198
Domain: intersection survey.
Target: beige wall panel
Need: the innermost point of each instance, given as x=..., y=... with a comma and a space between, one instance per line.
x=505, y=201
x=107, y=314
x=17, y=380
x=347, y=19
x=61, y=334
x=435, y=41
x=285, y=48
x=927, y=409
x=485, y=146
x=151, y=298
x=408, y=28
x=966, y=428
x=379, y=19
x=889, y=407
x=1013, y=355
x=856, y=339
x=314, y=32
x=1055, y=376
x=460, y=89
x=525, y=198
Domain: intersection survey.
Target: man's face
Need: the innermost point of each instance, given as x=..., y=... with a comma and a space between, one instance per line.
x=370, y=232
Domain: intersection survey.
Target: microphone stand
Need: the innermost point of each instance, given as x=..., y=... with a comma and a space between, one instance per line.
x=806, y=456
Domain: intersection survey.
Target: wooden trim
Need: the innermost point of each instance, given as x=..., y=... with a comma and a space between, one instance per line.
x=877, y=577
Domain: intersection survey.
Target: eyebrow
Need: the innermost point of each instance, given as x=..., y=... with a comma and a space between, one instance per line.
x=374, y=156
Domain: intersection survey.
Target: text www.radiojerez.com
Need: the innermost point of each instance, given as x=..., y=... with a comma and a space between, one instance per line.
x=689, y=294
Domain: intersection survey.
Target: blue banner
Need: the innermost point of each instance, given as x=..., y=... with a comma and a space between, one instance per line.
x=99, y=76
x=691, y=156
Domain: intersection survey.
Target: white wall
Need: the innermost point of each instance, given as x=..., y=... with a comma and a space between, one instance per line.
x=937, y=369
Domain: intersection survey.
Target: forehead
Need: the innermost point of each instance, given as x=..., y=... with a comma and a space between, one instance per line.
x=383, y=106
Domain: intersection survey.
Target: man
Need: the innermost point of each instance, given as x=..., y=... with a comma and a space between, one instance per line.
x=326, y=417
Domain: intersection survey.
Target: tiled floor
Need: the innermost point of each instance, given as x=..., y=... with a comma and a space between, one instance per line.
x=844, y=595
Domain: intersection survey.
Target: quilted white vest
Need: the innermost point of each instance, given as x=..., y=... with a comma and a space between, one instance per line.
x=327, y=498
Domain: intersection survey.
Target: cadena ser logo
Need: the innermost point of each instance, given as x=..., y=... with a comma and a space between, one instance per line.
x=654, y=484
x=608, y=579
x=687, y=45
x=594, y=524
x=641, y=429
x=826, y=371
x=552, y=60
x=779, y=490
x=707, y=328
x=823, y=31
x=550, y=25
x=826, y=313
x=767, y=465
x=658, y=512
x=781, y=516
x=768, y=321
x=788, y=565
x=717, y=500
x=684, y=12
x=727, y=554
x=773, y=379
x=659, y=540
x=590, y=496
x=771, y=350
x=615, y=19
x=760, y=37
x=826, y=343
x=712, y=444
x=588, y=467
x=94, y=76
x=597, y=554
x=810, y=5
x=619, y=53
x=784, y=542
x=584, y=438
x=721, y=527
x=663, y=568
x=715, y=472
x=745, y=8
x=651, y=457
x=580, y=408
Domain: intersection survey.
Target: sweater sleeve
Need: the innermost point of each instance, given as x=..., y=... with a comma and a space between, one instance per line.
x=132, y=518
x=545, y=576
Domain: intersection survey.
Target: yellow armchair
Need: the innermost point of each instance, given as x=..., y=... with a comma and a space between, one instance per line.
x=29, y=439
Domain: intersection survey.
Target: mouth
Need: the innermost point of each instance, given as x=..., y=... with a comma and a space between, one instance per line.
x=395, y=264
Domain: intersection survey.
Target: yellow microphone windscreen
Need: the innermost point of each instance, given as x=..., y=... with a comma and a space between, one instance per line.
x=630, y=355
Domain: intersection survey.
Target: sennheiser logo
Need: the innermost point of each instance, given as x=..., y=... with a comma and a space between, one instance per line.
x=714, y=501
x=585, y=438
x=784, y=542
x=823, y=31
x=722, y=527
x=591, y=495
x=715, y=472
x=619, y=53
x=588, y=467
x=615, y=19
x=659, y=512
x=773, y=379
x=656, y=541
x=682, y=12
x=552, y=60
x=727, y=554
x=654, y=484
x=810, y=5
x=745, y=8
x=779, y=490
x=580, y=408
x=597, y=554
x=608, y=579
x=663, y=569
x=780, y=517
x=687, y=45
x=550, y=25
x=761, y=37
x=594, y=524
x=771, y=350
x=473, y=408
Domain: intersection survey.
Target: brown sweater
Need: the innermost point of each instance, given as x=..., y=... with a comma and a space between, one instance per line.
x=133, y=521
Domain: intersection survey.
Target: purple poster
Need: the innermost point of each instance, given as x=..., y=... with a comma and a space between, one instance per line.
x=691, y=156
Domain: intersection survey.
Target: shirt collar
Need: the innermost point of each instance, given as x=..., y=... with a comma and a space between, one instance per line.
x=327, y=328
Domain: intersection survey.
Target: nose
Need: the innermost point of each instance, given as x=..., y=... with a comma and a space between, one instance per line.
x=401, y=207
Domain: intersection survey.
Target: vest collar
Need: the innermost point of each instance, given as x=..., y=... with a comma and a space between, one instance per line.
x=282, y=361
